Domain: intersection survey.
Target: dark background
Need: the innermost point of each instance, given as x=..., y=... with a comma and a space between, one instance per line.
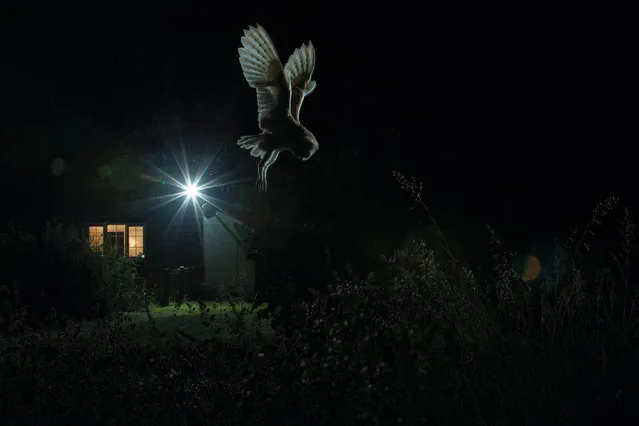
x=515, y=117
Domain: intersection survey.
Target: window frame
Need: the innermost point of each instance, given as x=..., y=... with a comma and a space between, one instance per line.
x=127, y=226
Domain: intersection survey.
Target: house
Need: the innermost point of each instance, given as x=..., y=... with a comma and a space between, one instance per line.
x=202, y=256
x=200, y=250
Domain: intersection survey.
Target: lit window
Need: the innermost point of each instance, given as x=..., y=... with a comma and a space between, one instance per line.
x=116, y=235
x=136, y=241
x=96, y=237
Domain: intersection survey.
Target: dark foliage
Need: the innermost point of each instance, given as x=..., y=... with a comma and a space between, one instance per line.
x=430, y=341
x=54, y=273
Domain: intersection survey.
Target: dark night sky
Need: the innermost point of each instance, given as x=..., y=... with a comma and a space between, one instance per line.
x=511, y=116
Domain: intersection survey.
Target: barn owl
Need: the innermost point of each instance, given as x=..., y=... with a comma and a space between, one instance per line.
x=280, y=93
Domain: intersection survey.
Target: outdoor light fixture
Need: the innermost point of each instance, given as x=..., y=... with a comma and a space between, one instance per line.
x=209, y=210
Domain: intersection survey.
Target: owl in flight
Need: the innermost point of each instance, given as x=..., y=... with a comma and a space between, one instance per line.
x=280, y=93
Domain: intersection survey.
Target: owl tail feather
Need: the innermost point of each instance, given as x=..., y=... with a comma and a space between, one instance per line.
x=253, y=143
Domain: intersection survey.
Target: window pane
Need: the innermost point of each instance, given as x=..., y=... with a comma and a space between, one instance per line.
x=96, y=237
x=136, y=241
x=116, y=235
x=116, y=228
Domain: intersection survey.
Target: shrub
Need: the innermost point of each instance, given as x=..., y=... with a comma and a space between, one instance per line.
x=55, y=268
x=432, y=342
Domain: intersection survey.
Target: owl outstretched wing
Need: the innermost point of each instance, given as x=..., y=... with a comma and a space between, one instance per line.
x=299, y=72
x=263, y=71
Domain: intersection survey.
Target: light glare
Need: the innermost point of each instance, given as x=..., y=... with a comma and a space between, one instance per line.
x=192, y=191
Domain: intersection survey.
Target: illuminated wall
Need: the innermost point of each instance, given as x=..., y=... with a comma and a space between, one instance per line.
x=225, y=263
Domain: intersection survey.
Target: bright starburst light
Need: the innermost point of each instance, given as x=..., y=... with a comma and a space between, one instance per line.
x=189, y=188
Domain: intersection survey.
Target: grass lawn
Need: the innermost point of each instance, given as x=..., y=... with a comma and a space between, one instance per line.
x=223, y=321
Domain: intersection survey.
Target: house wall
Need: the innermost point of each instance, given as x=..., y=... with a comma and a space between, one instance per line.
x=225, y=265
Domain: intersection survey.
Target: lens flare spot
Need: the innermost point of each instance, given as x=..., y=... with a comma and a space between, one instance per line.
x=57, y=166
x=532, y=268
x=104, y=171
